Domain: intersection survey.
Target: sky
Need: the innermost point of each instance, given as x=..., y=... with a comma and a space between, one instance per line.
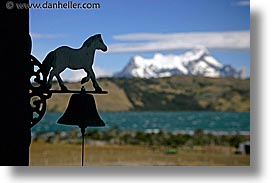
x=145, y=27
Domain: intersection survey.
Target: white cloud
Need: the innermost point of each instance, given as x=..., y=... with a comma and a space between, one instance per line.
x=47, y=36
x=243, y=3
x=77, y=75
x=73, y=75
x=99, y=72
x=178, y=41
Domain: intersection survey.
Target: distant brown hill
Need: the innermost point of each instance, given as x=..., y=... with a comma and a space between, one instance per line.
x=177, y=93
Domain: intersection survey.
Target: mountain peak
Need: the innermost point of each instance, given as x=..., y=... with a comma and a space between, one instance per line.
x=195, y=62
x=201, y=50
x=158, y=56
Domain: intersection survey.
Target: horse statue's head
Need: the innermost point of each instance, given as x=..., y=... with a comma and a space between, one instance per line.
x=96, y=41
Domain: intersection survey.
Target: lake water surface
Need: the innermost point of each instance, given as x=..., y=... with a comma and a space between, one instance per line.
x=229, y=122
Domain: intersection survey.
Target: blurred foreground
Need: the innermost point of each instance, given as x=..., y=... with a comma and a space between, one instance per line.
x=134, y=148
x=44, y=154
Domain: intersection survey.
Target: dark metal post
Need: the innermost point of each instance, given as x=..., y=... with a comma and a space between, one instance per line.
x=15, y=110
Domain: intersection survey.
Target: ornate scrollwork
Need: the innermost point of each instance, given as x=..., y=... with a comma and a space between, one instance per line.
x=38, y=92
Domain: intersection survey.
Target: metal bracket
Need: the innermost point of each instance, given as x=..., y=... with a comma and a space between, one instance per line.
x=38, y=92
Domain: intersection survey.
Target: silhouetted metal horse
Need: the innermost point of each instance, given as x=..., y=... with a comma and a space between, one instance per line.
x=66, y=57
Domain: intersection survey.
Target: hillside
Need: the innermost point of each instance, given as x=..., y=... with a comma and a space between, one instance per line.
x=177, y=93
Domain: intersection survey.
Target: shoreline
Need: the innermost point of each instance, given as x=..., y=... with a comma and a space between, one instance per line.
x=114, y=136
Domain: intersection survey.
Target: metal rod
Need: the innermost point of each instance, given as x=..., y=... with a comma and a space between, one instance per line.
x=83, y=135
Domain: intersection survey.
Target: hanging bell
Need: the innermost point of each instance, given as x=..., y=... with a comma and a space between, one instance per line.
x=81, y=111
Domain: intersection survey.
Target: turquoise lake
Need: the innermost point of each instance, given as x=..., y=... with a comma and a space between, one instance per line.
x=228, y=122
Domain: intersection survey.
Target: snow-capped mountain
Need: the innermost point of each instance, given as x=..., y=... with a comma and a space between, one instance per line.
x=197, y=62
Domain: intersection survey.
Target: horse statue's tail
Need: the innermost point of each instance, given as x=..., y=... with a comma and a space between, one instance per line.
x=47, y=64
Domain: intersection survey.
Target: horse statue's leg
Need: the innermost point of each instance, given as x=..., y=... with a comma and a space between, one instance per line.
x=60, y=82
x=85, y=79
x=50, y=80
x=92, y=74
